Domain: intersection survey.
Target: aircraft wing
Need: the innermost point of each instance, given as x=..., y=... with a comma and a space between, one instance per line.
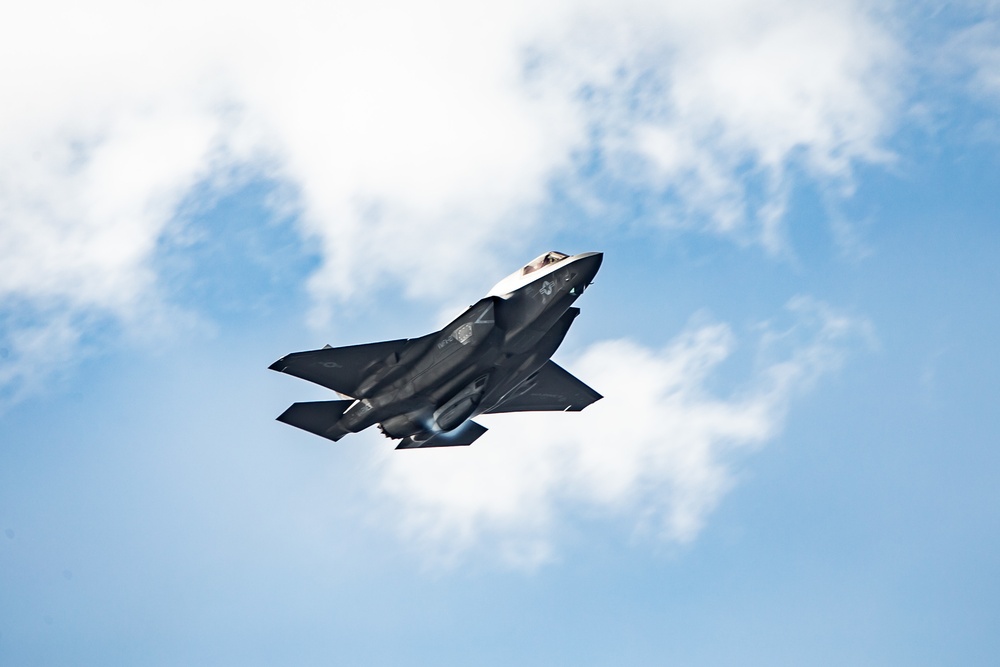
x=552, y=388
x=339, y=368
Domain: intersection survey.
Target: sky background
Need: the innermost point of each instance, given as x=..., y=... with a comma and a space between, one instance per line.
x=794, y=329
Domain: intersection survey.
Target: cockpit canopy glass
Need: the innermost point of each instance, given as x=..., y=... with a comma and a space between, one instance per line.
x=542, y=261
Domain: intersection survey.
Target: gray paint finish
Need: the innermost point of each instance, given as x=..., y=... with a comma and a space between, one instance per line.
x=493, y=358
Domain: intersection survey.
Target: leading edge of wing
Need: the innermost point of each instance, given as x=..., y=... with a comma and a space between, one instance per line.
x=553, y=388
x=339, y=368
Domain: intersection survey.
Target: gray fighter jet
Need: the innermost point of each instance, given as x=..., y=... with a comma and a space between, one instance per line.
x=493, y=358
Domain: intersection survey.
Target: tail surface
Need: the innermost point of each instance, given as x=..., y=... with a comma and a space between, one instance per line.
x=319, y=417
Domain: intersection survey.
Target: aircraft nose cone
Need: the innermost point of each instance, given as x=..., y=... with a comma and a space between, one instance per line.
x=588, y=264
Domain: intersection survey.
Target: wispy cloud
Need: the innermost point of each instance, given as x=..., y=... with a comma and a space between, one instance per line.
x=656, y=451
x=711, y=106
x=974, y=54
x=33, y=350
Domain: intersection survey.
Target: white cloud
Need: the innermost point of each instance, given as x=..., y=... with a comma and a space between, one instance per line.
x=713, y=103
x=656, y=450
x=398, y=123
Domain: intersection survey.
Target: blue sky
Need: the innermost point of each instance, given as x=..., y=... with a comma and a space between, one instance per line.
x=794, y=330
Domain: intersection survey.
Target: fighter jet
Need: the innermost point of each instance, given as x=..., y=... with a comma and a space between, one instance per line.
x=493, y=358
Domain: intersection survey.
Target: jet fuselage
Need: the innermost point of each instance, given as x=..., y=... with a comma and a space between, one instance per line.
x=428, y=387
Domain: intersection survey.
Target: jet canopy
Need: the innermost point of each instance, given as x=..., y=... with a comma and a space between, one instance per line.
x=542, y=261
x=521, y=277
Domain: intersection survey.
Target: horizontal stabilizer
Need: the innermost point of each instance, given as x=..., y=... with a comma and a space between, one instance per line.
x=339, y=368
x=552, y=388
x=319, y=417
x=465, y=434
